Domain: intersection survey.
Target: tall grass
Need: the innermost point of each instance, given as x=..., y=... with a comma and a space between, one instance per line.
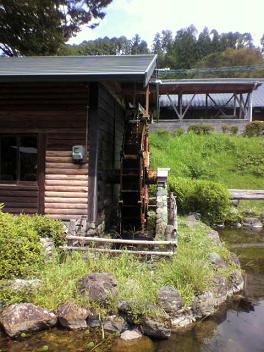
x=234, y=161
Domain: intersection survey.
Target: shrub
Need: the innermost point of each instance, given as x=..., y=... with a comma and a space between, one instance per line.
x=252, y=163
x=178, y=132
x=209, y=198
x=201, y=129
x=254, y=129
x=230, y=129
x=21, y=252
x=47, y=227
x=234, y=130
x=162, y=132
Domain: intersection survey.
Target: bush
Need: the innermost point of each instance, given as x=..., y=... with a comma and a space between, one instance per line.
x=178, y=132
x=201, y=129
x=47, y=227
x=234, y=130
x=252, y=163
x=162, y=132
x=210, y=199
x=230, y=129
x=21, y=252
x=254, y=129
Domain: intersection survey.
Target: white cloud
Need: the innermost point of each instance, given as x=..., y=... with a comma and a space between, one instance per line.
x=146, y=17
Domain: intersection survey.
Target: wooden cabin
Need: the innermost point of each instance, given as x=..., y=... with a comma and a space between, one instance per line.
x=48, y=106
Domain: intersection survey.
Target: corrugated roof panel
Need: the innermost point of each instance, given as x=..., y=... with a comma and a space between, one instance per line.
x=199, y=100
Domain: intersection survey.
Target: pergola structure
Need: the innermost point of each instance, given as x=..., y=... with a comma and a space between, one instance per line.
x=182, y=93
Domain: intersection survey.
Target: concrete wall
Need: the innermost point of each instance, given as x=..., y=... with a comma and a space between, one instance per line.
x=216, y=123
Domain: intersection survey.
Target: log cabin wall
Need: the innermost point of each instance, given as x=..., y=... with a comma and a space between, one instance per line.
x=56, y=113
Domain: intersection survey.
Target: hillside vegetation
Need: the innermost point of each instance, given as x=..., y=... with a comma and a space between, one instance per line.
x=234, y=161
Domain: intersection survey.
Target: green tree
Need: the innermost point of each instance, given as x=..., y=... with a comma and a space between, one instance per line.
x=184, y=51
x=138, y=46
x=204, y=44
x=262, y=43
x=156, y=45
x=166, y=41
x=41, y=27
x=233, y=57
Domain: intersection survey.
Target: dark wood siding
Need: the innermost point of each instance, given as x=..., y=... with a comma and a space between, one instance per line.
x=111, y=129
x=57, y=114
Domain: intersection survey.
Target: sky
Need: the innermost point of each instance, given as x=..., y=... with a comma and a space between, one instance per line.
x=146, y=17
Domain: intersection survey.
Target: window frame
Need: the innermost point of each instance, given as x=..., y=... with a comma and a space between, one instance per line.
x=18, y=137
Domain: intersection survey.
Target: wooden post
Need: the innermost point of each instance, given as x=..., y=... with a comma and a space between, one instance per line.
x=235, y=100
x=250, y=107
x=180, y=105
x=172, y=217
x=147, y=101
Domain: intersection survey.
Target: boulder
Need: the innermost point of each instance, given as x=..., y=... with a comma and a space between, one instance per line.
x=49, y=247
x=252, y=222
x=221, y=290
x=25, y=317
x=170, y=300
x=115, y=324
x=22, y=284
x=72, y=316
x=215, y=237
x=184, y=319
x=155, y=327
x=234, y=258
x=98, y=287
x=204, y=305
x=217, y=260
x=192, y=219
x=129, y=335
x=236, y=281
x=126, y=311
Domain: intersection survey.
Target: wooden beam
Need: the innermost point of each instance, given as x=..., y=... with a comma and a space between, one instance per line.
x=117, y=251
x=173, y=106
x=121, y=241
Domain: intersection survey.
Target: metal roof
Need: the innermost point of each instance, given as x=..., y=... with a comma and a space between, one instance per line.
x=41, y=68
x=202, y=86
x=199, y=101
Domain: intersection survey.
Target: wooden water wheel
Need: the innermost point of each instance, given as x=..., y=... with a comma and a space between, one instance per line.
x=134, y=176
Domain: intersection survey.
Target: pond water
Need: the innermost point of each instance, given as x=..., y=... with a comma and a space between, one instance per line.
x=236, y=327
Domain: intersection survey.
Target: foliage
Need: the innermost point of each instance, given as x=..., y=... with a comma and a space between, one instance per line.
x=230, y=129
x=252, y=163
x=178, y=132
x=215, y=157
x=48, y=227
x=190, y=271
x=21, y=252
x=201, y=129
x=41, y=27
x=208, y=198
x=189, y=48
x=254, y=128
x=255, y=207
x=107, y=46
x=245, y=56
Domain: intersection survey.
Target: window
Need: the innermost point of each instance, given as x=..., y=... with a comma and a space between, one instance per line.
x=18, y=158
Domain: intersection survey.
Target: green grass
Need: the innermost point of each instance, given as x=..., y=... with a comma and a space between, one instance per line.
x=190, y=271
x=235, y=161
x=253, y=206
